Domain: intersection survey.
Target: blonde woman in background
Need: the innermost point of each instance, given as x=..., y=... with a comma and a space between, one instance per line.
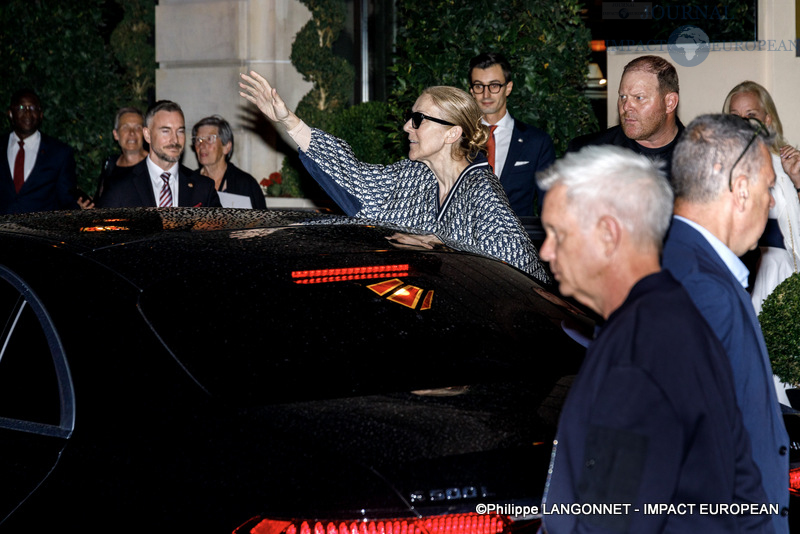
x=780, y=244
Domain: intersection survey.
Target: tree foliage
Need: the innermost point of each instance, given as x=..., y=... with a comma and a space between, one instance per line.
x=333, y=78
x=312, y=55
x=363, y=127
x=60, y=49
x=781, y=329
x=546, y=43
x=132, y=44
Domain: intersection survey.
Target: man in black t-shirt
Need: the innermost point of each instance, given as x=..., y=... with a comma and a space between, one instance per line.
x=647, y=105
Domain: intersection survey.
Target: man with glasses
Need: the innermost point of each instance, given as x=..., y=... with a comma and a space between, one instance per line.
x=40, y=170
x=516, y=151
x=647, y=104
x=159, y=179
x=722, y=174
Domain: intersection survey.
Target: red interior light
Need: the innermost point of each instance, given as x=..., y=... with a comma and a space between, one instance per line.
x=597, y=45
x=471, y=523
x=407, y=296
x=794, y=481
x=105, y=228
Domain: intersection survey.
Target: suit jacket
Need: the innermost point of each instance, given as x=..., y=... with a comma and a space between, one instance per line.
x=135, y=189
x=726, y=306
x=49, y=185
x=651, y=418
x=530, y=151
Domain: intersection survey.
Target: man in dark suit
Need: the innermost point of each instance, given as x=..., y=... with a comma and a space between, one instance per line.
x=651, y=416
x=40, y=174
x=722, y=175
x=160, y=180
x=517, y=151
x=648, y=112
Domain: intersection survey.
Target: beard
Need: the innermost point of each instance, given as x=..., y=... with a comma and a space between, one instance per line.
x=644, y=128
x=166, y=157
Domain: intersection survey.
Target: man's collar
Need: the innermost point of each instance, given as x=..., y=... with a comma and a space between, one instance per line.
x=155, y=170
x=506, y=122
x=731, y=261
x=35, y=137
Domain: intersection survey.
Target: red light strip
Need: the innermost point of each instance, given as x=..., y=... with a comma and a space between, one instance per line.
x=443, y=524
x=322, y=276
x=794, y=481
x=104, y=228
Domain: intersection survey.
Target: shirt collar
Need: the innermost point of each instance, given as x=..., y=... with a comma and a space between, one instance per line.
x=156, y=171
x=507, y=122
x=731, y=261
x=33, y=139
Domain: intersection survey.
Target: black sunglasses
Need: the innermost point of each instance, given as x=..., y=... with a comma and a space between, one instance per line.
x=416, y=118
x=761, y=129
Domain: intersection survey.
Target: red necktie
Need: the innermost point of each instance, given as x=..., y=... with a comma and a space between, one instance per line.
x=165, y=201
x=490, y=146
x=19, y=168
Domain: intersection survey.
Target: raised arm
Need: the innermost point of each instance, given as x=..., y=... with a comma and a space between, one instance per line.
x=258, y=91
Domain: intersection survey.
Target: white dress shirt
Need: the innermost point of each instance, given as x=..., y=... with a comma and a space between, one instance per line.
x=31, y=150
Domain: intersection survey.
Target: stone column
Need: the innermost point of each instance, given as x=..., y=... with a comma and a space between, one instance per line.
x=202, y=46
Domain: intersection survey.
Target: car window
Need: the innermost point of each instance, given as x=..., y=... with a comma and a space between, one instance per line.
x=34, y=380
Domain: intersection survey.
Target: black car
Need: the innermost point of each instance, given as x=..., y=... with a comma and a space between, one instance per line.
x=199, y=370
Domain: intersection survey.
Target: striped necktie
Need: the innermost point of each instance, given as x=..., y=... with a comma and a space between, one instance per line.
x=165, y=200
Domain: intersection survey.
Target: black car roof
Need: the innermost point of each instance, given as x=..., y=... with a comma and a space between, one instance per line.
x=327, y=284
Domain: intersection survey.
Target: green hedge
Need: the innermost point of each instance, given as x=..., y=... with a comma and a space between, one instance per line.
x=781, y=328
x=546, y=42
x=61, y=49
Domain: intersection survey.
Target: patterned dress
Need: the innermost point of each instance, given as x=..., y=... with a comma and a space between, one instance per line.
x=475, y=216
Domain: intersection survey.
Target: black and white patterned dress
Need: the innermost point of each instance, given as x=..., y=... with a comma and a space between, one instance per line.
x=475, y=216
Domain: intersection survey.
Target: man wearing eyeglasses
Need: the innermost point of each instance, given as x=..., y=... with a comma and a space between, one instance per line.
x=516, y=151
x=648, y=112
x=160, y=180
x=722, y=174
x=40, y=170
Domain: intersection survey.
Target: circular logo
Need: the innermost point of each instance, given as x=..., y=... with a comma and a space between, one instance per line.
x=623, y=13
x=688, y=46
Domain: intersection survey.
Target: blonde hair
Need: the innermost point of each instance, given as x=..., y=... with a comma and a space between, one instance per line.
x=767, y=104
x=459, y=108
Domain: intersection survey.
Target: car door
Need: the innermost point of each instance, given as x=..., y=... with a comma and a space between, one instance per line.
x=36, y=394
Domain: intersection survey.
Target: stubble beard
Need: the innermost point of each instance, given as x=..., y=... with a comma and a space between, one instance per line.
x=166, y=157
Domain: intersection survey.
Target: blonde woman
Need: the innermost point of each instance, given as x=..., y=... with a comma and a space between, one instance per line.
x=439, y=191
x=780, y=244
